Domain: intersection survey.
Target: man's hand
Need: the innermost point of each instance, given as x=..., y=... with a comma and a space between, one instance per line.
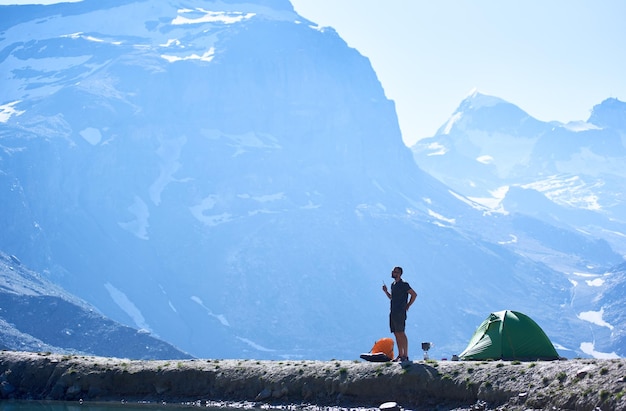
x=386, y=292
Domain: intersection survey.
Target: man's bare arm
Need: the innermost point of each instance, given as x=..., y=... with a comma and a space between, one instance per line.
x=413, y=295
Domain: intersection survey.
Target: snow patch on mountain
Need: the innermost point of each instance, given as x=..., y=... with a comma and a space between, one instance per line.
x=485, y=159
x=91, y=135
x=199, y=211
x=171, y=43
x=588, y=278
x=578, y=126
x=207, y=203
x=441, y=218
x=138, y=226
x=172, y=306
x=587, y=275
x=207, y=56
x=451, y=122
x=589, y=349
x=486, y=205
x=220, y=317
x=200, y=15
x=493, y=203
x=88, y=37
x=512, y=240
x=436, y=149
x=8, y=110
x=215, y=219
x=595, y=317
x=254, y=345
x=568, y=190
x=127, y=306
x=596, y=282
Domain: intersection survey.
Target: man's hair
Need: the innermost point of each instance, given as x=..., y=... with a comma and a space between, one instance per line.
x=398, y=269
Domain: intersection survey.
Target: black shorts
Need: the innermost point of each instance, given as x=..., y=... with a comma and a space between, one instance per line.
x=397, y=321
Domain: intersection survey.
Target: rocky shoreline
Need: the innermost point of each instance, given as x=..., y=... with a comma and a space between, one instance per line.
x=581, y=384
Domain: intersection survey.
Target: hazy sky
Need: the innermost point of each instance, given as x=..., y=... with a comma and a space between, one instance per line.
x=555, y=59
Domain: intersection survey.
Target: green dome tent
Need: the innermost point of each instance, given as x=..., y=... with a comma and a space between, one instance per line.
x=509, y=335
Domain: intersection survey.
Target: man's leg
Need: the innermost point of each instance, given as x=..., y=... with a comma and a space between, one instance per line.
x=403, y=343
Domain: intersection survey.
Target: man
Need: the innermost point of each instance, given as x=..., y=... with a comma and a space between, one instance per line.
x=400, y=292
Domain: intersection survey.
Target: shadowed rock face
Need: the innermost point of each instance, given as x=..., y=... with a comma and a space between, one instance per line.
x=581, y=384
x=39, y=316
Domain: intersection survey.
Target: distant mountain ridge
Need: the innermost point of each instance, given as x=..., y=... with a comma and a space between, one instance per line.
x=231, y=178
x=483, y=151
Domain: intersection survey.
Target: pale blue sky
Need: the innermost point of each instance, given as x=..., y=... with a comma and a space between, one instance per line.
x=555, y=59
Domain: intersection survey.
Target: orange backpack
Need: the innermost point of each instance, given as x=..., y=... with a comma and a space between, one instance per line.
x=384, y=345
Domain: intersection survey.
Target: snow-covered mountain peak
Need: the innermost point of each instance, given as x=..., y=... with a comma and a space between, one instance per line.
x=473, y=102
x=489, y=113
x=476, y=100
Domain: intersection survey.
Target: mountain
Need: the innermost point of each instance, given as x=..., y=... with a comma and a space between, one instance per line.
x=569, y=176
x=489, y=146
x=486, y=137
x=231, y=178
x=37, y=315
x=577, y=166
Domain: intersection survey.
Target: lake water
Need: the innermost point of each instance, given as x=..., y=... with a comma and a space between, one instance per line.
x=10, y=405
x=99, y=406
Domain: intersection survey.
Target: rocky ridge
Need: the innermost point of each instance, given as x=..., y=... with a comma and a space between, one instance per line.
x=581, y=384
x=37, y=315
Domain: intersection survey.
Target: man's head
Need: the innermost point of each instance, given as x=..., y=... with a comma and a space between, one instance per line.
x=396, y=272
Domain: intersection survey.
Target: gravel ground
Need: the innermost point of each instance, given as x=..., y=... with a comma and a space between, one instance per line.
x=581, y=384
